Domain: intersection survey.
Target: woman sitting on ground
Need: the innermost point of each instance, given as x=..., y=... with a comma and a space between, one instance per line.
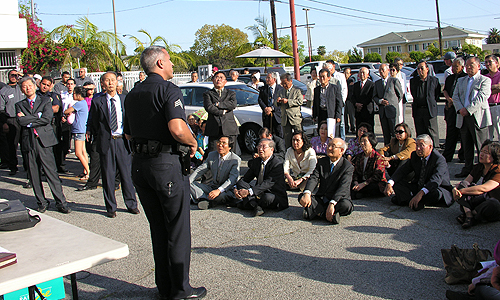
x=399, y=149
x=354, y=146
x=320, y=143
x=369, y=169
x=300, y=161
x=479, y=202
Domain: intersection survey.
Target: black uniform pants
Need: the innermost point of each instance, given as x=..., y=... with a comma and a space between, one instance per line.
x=44, y=158
x=117, y=158
x=164, y=195
x=12, y=143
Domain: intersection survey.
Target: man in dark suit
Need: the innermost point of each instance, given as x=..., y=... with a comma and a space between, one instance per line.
x=106, y=125
x=34, y=114
x=271, y=113
x=387, y=93
x=334, y=175
x=425, y=90
x=431, y=184
x=327, y=101
x=142, y=77
x=270, y=189
x=279, y=149
x=224, y=166
x=362, y=94
x=219, y=103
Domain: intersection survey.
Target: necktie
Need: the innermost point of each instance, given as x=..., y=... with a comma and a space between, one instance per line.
x=261, y=174
x=113, y=123
x=422, y=174
x=221, y=161
x=220, y=93
x=331, y=168
x=31, y=105
x=271, y=93
x=362, y=84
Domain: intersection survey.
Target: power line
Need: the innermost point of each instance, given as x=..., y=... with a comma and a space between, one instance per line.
x=107, y=12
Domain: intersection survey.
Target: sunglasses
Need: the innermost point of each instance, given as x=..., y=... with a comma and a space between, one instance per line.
x=399, y=131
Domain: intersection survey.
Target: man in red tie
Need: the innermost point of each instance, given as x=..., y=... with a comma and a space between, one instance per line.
x=35, y=114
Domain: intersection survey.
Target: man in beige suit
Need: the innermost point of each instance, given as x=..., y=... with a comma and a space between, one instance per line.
x=473, y=112
x=289, y=99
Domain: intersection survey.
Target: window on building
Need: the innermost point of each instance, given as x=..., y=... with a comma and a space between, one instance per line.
x=451, y=44
x=394, y=49
x=410, y=48
x=416, y=47
x=425, y=45
x=7, y=59
x=375, y=50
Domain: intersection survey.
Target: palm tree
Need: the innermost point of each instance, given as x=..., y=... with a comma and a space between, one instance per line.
x=493, y=36
x=261, y=34
x=172, y=49
x=98, y=55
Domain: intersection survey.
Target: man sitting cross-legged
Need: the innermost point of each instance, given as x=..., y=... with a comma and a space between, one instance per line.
x=225, y=168
x=334, y=175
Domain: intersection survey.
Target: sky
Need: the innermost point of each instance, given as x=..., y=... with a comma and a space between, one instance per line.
x=339, y=25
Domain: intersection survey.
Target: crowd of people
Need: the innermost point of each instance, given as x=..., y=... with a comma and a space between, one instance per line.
x=142, y=140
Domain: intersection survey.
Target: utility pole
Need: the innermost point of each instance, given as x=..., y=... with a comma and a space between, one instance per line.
x=293, y=24
x=32, y=10
x=439, y=30
x=275, y=32
x=308, y=35
x=116, y=37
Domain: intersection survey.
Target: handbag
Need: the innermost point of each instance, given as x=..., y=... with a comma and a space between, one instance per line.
x=15, y=216
x=461, y=265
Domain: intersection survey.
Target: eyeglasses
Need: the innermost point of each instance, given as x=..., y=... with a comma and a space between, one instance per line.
x=399, y=131
x=392, y=70
x=222, y=143
x=421, y=68
x=263, y=147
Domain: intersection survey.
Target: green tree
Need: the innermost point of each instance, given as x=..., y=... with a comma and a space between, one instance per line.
x=220, y=44
x=98, y=46
x=434, y=51
x=474, y=50
x=493, y=36
x=390, y=56
x=354, y=55
x=417, y=56
x=321, y=50
x=337, y=56
x=179, y=61
x=372, y=57
x=313, y=58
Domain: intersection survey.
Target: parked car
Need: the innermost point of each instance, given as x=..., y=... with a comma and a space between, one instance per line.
x=357, y=66
x=247, y=78
x=248, y=111
x=305, y=70
x=280, y=70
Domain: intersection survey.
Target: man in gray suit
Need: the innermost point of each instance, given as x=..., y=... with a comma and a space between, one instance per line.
x=289, y=100
x=470, y=98
x=387, y=93
x=225, y=168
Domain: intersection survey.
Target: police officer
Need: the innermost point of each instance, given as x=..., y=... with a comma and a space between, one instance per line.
x=155, y=122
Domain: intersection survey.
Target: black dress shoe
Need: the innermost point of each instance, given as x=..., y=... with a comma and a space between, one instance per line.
x=12, y=172
x=42, y=208
x=64, y=209
x=62, y=171
x=4, y=166
x=111, y=214
x=86, y=188
x=197, y=293
x=27, y=185
x=258, y=211
x=462, y=174
x=336, y=218
x=133, y=211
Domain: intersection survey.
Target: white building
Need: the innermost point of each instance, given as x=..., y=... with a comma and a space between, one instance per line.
x=13, y=36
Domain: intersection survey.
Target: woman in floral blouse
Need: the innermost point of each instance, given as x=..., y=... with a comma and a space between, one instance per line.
x=320, y=143
x=369, y=169
x=354, y=146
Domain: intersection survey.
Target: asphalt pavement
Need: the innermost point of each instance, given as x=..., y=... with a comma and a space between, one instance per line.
x=380, y=251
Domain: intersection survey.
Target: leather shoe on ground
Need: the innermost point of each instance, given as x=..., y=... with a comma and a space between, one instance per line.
x=461, y=174
x=64, y=209
x=258, y=211
x=86, y=188
x=203, y=205
x=133, y=211
x=305, y=214
x=62, y=171
x=111, y=214
x=27, y=185
x=336, y=218
x=42, y=208
x=4, y=166
x=12, y=172
x=197, y=293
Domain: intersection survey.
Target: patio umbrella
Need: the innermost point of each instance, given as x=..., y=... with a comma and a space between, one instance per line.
x=264, y=52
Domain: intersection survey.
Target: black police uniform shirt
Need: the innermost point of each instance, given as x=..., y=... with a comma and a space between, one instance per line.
x=150, y=106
